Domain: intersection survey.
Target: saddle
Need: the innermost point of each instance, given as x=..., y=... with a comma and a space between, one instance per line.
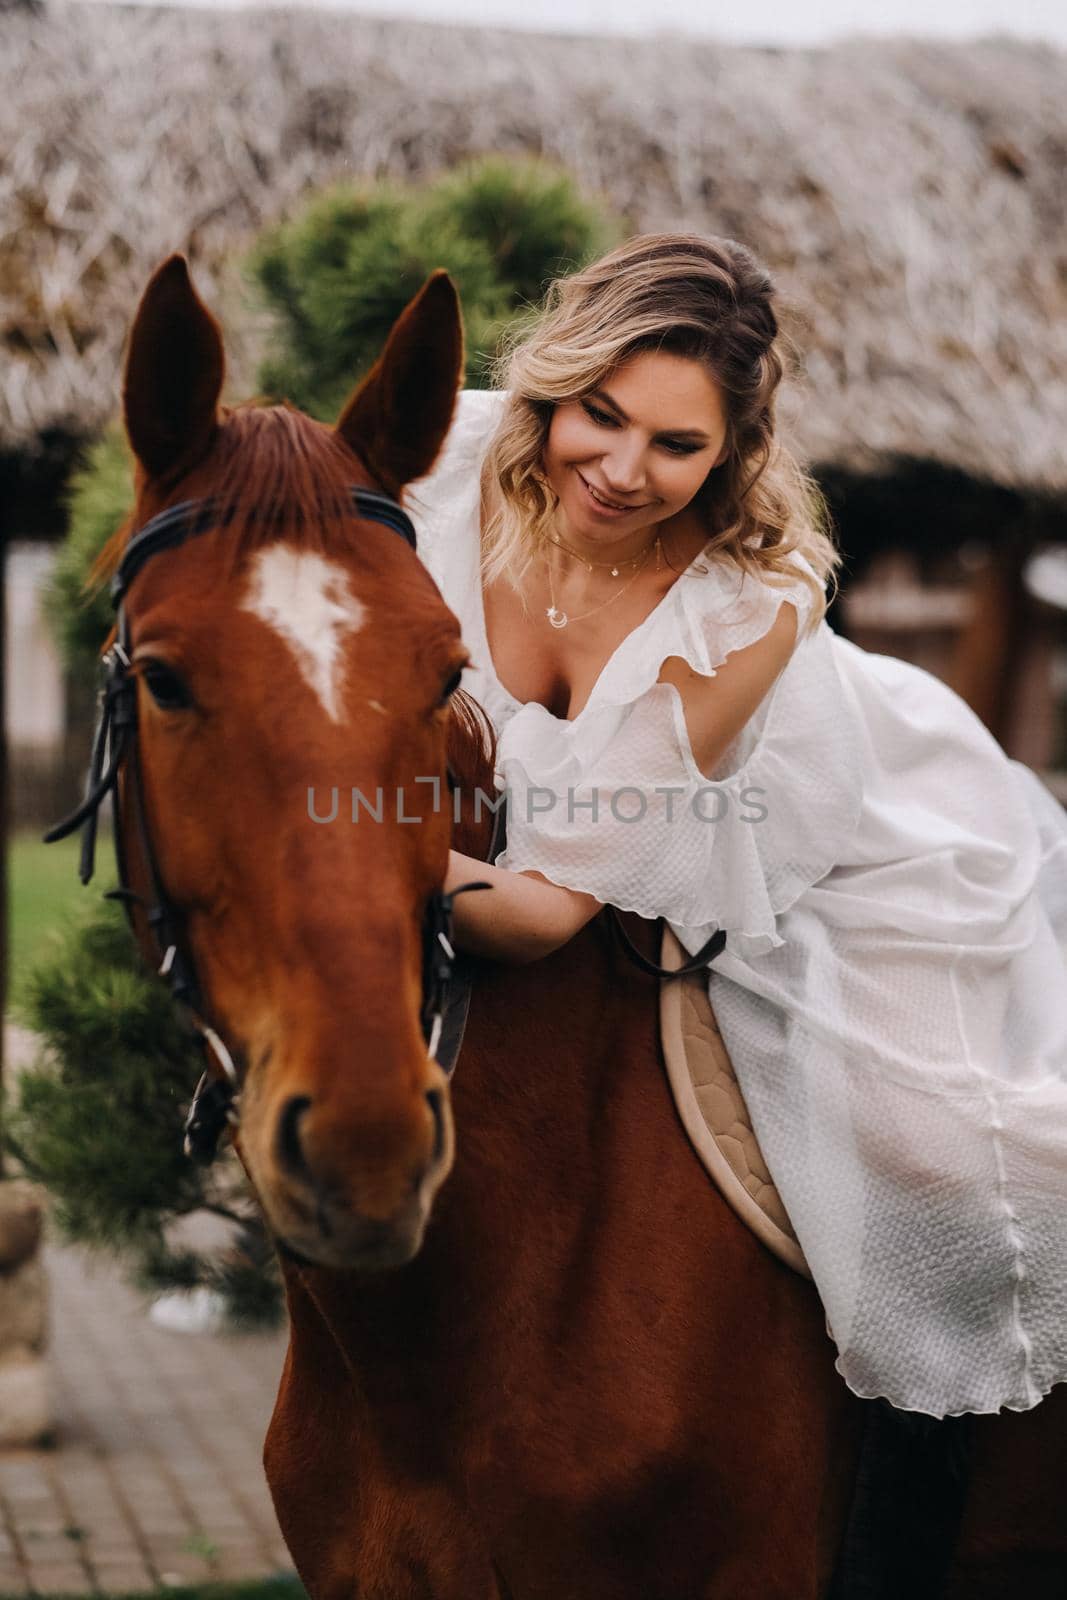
x=706, y=1093
x=713, y=1110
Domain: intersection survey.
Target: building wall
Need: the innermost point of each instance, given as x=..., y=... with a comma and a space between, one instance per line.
x=48, y=737
x=34, y=693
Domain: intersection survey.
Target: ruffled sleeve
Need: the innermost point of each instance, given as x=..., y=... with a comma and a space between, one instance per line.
x=444, y=504
x=613, y=804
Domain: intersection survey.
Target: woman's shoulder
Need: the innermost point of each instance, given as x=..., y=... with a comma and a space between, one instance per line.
x=724, y=607
x=447, y=496
x=474, y=419
x=479, y=404
x=476, y=414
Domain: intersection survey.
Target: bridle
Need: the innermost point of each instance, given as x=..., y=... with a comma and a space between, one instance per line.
x=216, y=1101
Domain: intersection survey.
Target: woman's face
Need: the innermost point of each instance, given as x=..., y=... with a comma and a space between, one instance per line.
x=644, y=441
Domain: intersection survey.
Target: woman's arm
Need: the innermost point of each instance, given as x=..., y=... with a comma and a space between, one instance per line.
x=522, y=918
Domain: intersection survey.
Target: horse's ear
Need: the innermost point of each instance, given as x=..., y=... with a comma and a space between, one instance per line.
x=398, y=418
x=174, y=371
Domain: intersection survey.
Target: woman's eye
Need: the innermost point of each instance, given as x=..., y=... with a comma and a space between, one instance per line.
x=603, y=420
x=597, y=415
x=166, y=688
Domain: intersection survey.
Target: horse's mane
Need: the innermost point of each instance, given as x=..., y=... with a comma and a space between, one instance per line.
x=471, y=743
x=471, y=759
x=267, y=466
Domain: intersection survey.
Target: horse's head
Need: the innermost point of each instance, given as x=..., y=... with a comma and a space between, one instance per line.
x=293, y=668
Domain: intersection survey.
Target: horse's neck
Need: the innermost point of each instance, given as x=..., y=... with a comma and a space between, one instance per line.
x=557, y=1069
x=551, y=1052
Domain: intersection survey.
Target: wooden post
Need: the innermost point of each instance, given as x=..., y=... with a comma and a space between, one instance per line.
x=985, y=664
x=892, y=613
x=4, y=813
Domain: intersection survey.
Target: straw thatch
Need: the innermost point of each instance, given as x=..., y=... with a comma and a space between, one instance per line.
x=910, y=196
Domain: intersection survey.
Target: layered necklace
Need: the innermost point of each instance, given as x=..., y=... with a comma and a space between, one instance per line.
x=560, y=619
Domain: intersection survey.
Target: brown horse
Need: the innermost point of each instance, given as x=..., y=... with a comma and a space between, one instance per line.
x=580, y=1378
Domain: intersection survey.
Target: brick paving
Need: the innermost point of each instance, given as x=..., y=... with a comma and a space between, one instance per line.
x=155, y=1477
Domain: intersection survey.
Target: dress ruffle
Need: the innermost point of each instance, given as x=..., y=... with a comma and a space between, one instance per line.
x=729, y=850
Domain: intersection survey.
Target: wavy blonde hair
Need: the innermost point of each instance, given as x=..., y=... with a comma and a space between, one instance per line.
x=705, y=298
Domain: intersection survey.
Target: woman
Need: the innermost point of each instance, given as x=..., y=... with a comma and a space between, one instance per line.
x=639, y=571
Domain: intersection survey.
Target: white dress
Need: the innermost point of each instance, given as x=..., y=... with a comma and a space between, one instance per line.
x=893, y=989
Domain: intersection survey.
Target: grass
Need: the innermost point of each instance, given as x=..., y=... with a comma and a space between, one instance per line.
x=45, y=894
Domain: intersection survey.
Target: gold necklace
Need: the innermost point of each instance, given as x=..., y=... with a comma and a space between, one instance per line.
x=560, y=619
x=614, y=565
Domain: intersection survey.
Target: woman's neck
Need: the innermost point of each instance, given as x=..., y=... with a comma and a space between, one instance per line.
x=622, y=551
x=682, y=538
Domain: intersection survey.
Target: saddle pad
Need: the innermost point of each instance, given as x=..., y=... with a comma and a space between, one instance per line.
x=713, y=1110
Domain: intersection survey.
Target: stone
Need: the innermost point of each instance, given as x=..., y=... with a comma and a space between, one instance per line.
x=25, y=1398
x=22, y=1210
x=23, y=1307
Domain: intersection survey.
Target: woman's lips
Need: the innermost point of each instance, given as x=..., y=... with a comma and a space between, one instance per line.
x=609, y=508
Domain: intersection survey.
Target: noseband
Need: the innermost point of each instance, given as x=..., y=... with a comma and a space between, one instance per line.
x=215, y=1104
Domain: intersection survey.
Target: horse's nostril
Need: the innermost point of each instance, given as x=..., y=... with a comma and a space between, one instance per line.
x=290, y=1151
x=435, y=1103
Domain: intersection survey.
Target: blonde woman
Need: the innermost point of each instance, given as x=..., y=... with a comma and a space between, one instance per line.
x=639, y=569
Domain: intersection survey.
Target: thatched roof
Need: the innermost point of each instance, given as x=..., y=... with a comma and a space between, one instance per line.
x=910, y=196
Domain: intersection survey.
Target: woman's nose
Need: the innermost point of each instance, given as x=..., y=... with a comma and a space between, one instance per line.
x=624, y=471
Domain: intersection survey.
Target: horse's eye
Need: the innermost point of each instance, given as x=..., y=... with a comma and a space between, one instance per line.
x=166, y=688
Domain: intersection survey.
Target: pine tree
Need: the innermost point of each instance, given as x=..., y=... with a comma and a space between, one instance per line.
x=335, y=279
x=97, y=1119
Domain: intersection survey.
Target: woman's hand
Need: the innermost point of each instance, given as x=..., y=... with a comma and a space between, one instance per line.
x=522, y=918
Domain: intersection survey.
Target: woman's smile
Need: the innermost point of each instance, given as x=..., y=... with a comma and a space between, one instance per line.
x=602, y=506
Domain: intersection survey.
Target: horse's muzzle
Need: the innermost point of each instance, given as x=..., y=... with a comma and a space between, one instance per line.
x=343, y=1214
x=360, y=1246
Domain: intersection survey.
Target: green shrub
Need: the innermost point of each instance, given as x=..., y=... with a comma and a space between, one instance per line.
x=529, y=215
x=337, y=277
x=97, y=1119
x=100, y=496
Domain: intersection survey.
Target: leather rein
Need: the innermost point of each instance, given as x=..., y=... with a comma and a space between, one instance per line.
x=215, y=1104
